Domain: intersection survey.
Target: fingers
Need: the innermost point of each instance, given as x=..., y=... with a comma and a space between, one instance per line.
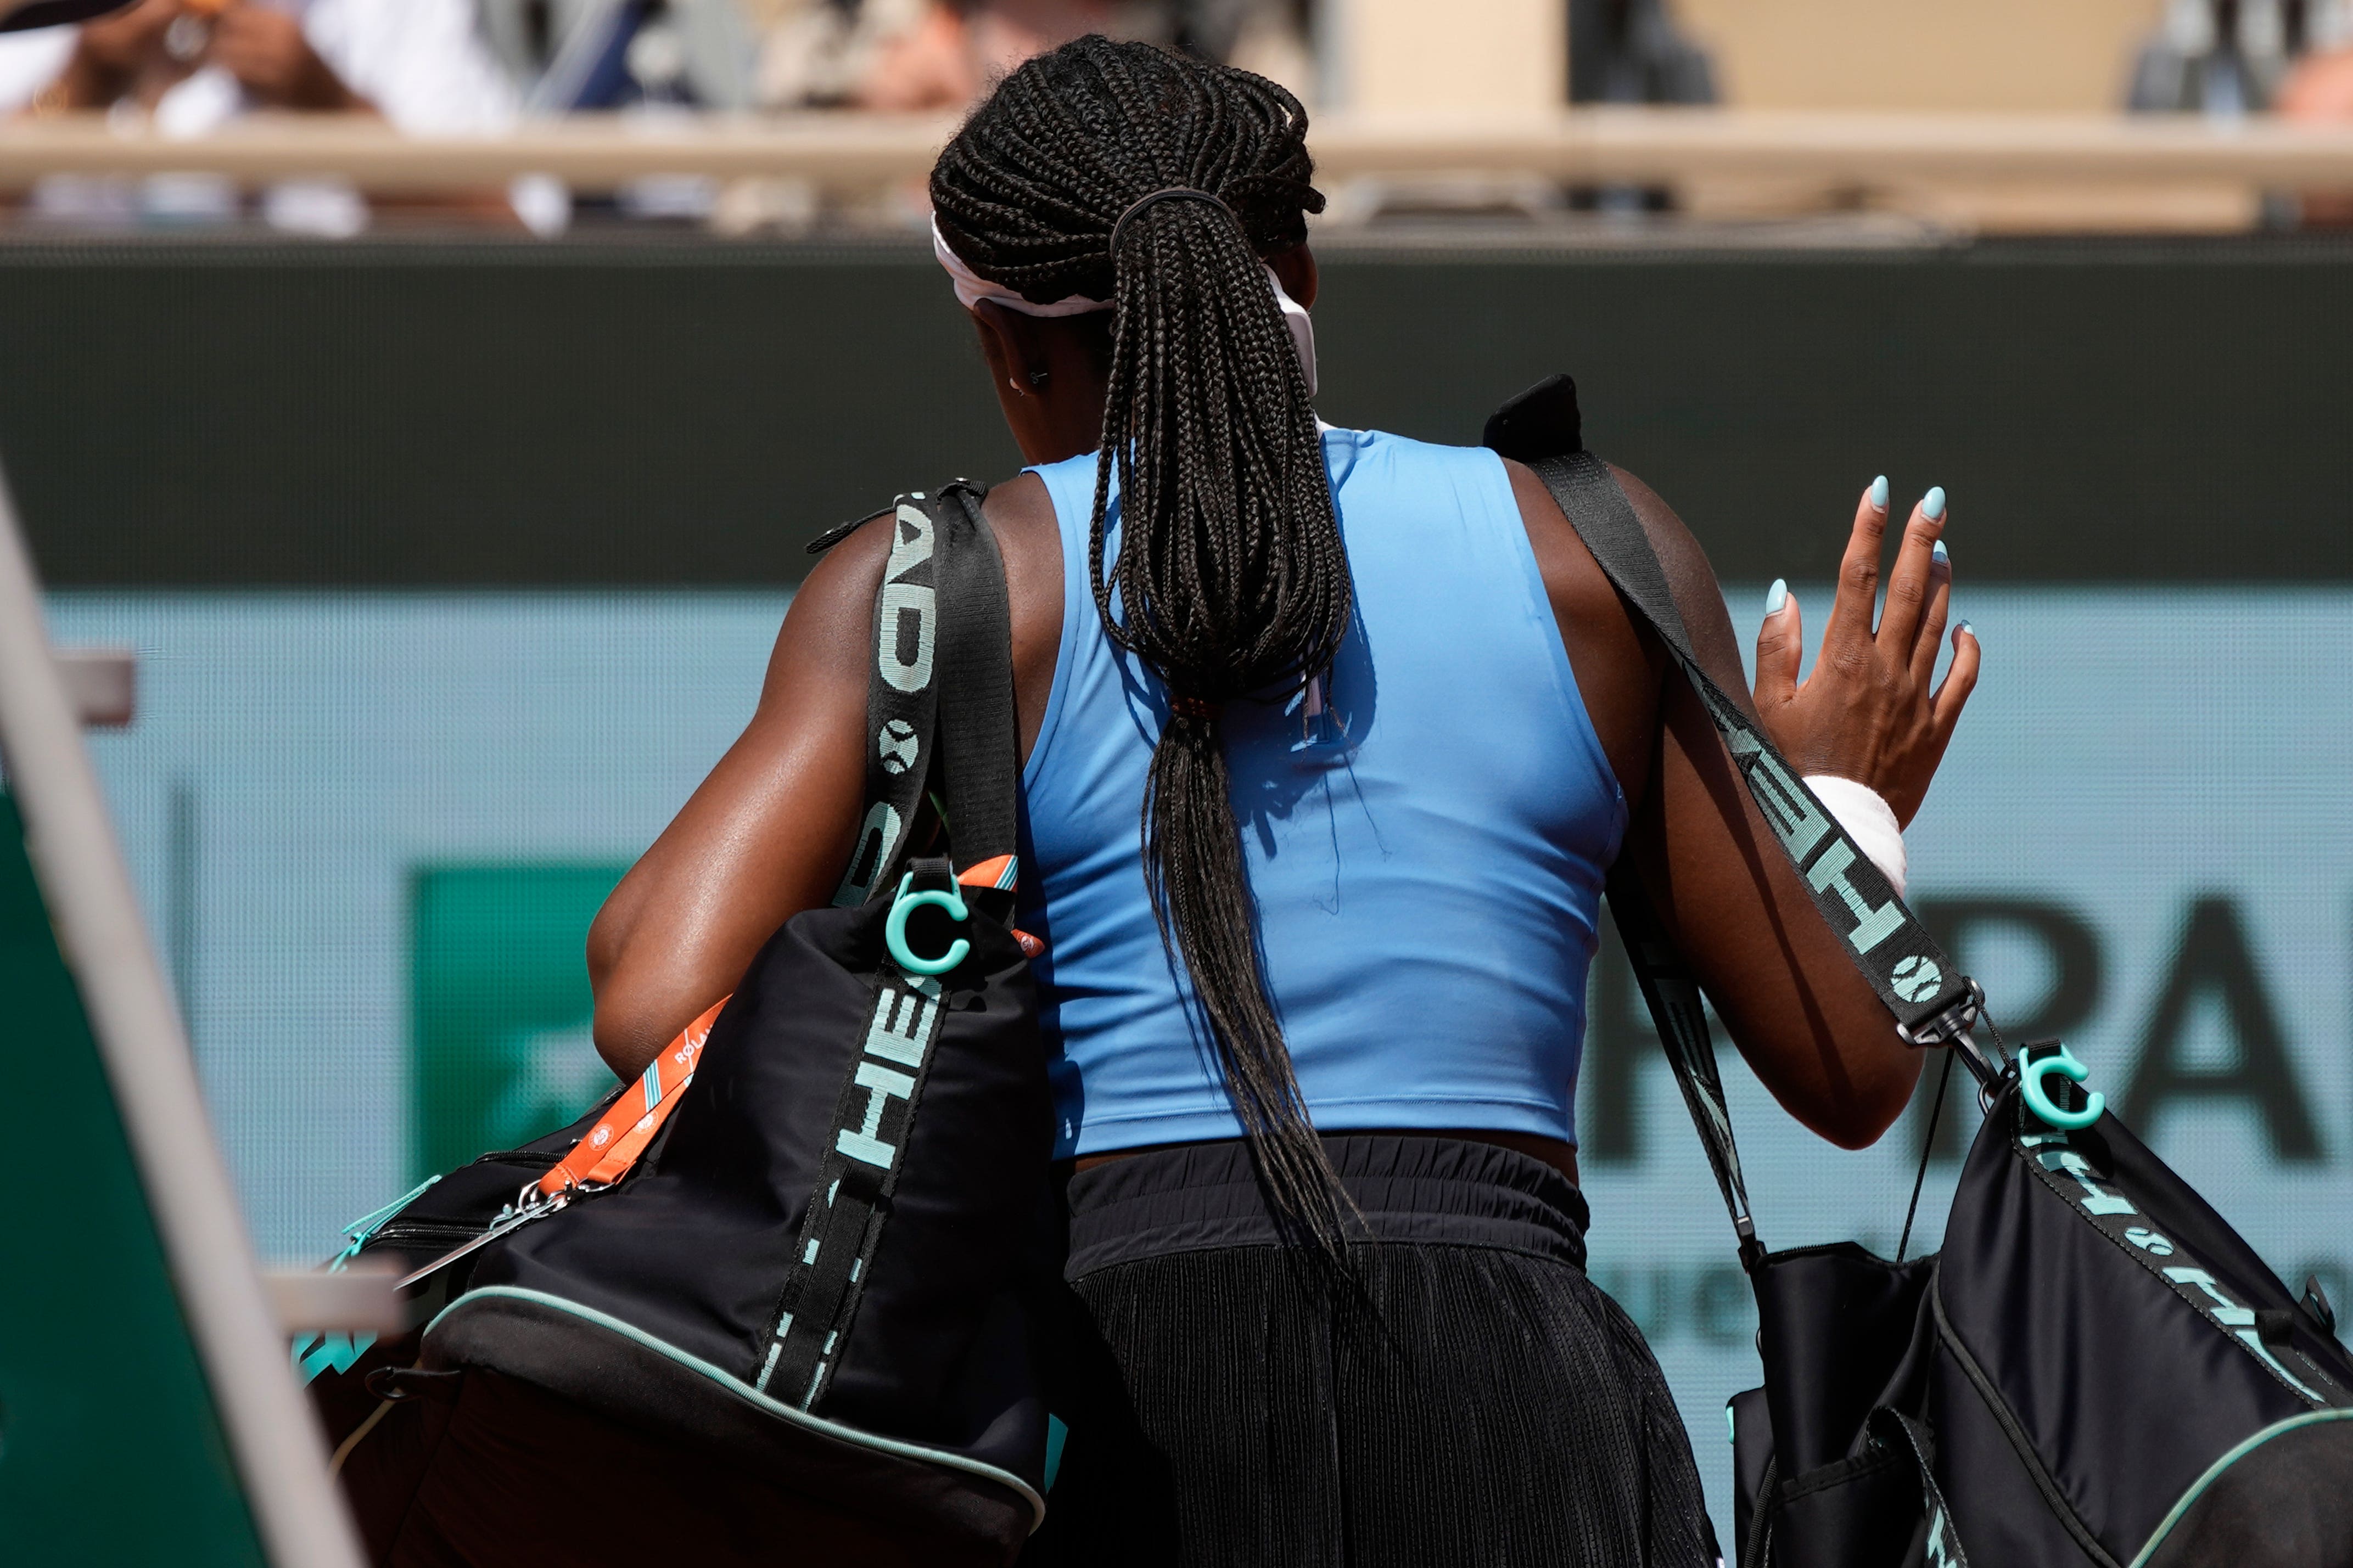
x=1858, y=586
x=1932, y=620
x=1780, y=645
x=1908, y=585
x=1959, y=681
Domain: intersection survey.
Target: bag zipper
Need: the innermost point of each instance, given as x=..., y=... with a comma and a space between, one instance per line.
x=422, y=1230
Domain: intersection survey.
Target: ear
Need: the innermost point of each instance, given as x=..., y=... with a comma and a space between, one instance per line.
x=1016, y=349
x=1297, y=267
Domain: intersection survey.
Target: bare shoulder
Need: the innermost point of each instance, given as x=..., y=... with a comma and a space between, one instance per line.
x=1030, y=538
x=1021, y=514
x=1691, y=577
x=1689, y=573
x=1613, y=656
x=829, y=621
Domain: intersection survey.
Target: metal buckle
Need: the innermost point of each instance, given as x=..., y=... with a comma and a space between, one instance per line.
x=528, y=1205
x=1955, y=1025
x=1956, y=1017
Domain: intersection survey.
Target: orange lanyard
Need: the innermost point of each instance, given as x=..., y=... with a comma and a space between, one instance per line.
x=629, y=1123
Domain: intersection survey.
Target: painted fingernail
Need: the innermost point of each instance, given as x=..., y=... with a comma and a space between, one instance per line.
x=1932, y=505
x=1878, y=492
x=1963, y=629
x=1776, y=597
x=1939, y=555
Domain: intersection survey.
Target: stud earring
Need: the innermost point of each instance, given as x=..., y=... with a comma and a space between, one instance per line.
x=1038, y=378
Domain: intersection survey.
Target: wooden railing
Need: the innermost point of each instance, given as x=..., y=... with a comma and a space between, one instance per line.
x=1665, y=146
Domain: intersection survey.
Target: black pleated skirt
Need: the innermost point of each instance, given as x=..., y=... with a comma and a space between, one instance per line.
x=1480, y=1402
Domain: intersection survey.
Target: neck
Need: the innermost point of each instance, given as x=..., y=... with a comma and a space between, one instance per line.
x=1052, y=375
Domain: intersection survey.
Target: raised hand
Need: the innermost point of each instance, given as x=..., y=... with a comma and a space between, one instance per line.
x=1867, y=712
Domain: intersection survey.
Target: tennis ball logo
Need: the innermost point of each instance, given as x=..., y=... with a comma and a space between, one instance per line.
x=897, y=742
x=1916, y=979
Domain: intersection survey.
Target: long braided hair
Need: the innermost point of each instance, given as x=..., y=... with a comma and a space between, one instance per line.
x=1230, y=578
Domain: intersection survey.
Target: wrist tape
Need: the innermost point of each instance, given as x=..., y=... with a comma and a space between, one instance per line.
x=1868, y=819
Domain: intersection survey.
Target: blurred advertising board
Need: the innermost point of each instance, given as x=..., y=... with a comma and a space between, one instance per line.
x=372, y=828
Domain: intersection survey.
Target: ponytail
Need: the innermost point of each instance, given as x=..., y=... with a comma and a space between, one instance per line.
x=1122, y=172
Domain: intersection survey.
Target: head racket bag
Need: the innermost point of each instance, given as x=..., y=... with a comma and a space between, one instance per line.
x=792, y=1318
x=2095, y=1372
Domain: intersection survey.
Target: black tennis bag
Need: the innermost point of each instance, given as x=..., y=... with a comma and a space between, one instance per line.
x=795, y=1327
x=2095, y=1369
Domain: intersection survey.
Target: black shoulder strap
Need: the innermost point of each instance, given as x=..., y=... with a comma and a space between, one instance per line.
x=1932, y=1002
x=941, y=719
x=979, y=748
x=901, y=699
x=939, y=704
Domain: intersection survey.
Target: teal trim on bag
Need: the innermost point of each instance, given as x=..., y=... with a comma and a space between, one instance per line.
x=752, y=1396
x=2214, y=1472
x=1056, y=1436
x=359, y=1230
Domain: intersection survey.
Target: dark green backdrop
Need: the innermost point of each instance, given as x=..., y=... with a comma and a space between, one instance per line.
x=616, y=411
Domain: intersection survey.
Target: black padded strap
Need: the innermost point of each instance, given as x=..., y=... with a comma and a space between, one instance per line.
x=941, y=710
x=902, y=699
x=979, y=748
x=940, y=693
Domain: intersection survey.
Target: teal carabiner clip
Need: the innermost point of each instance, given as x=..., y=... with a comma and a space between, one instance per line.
x=2039, y=1100
x=894, y=928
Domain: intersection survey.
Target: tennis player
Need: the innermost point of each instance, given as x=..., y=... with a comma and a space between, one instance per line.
x=1330, y=738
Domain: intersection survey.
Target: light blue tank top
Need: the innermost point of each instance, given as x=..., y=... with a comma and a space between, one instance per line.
x=1427, y=858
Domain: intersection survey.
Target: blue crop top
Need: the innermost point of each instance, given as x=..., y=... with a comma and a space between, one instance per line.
x=1427, y=858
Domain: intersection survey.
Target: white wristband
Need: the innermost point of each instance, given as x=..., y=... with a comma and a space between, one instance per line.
x=1868, y=819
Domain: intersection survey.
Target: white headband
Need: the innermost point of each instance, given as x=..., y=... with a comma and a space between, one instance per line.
x=971, y=288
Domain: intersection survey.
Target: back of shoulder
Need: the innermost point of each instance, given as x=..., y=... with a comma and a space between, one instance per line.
x=1021, y=514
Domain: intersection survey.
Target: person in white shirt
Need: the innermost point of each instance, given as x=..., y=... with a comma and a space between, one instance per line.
x=193, y=65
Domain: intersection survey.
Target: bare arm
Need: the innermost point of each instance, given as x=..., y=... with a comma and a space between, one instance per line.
x=1807, y=1023
x=766, y=834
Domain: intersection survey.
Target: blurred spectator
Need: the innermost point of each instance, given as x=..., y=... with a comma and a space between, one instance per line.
x=909, y=55
x=1628, y=51
x=2320, y=90
x=915, y=55
x=195, y=65
x=632, y=54
x=2227, y=58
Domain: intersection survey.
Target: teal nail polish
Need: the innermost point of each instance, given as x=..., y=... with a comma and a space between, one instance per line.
x=1939, y=555
x=1932, y=505
x=1878, y=492
x=1776, y=597
x=1965, y=628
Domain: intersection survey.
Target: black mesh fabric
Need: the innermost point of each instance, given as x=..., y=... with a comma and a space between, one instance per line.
x=1484, y=1403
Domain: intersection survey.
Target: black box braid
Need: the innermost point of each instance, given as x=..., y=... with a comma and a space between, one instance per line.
x=1231, y=577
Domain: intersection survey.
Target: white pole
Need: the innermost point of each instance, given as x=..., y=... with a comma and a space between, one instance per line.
x=272, y=1431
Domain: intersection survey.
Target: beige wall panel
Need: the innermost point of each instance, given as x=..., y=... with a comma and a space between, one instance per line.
x=2050, y=55
x=1499, y=55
